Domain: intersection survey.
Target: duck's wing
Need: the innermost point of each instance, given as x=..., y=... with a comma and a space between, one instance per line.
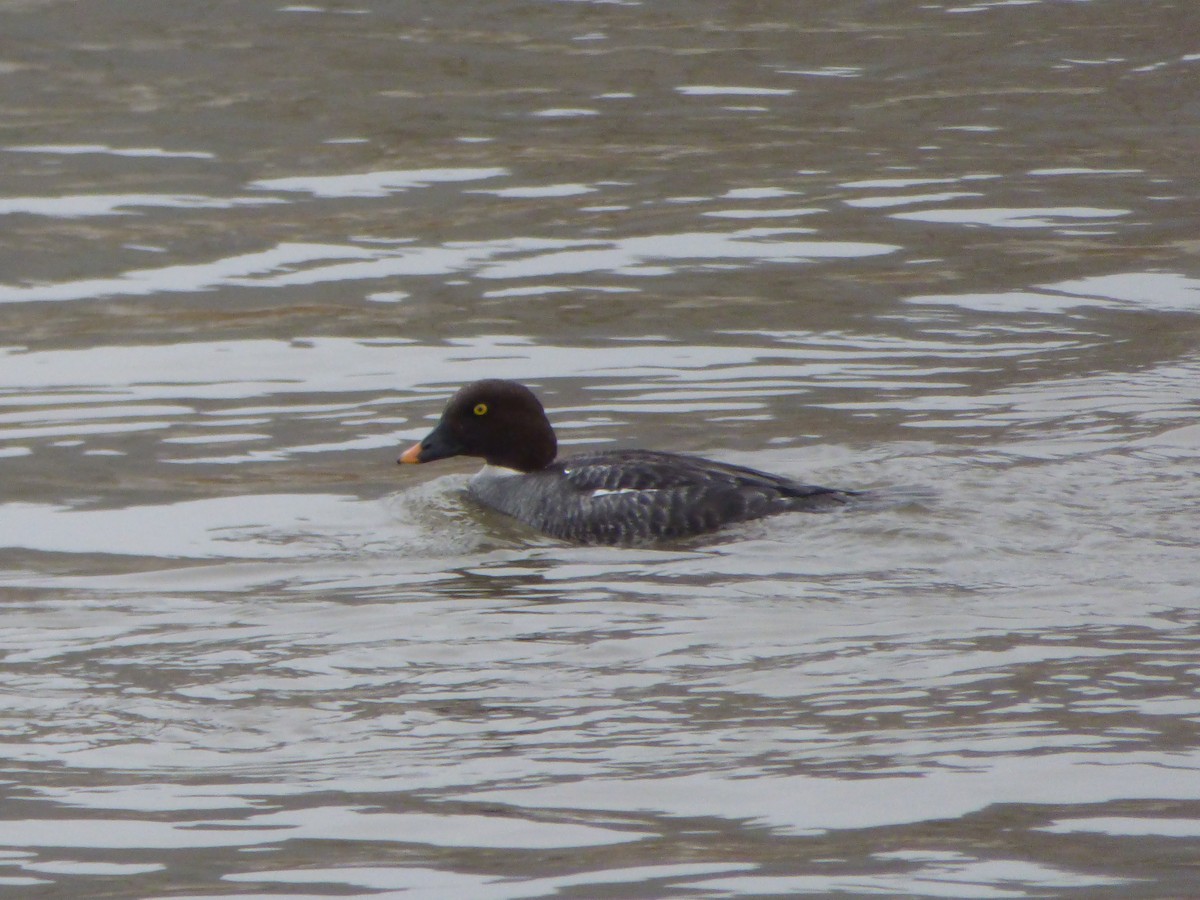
x=649, y=470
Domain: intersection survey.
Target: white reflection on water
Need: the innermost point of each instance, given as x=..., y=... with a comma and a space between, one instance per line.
x=278, y=266
x=83, y=205
x=1000, y=217
x=105, y=149
x=373, y=184
x=778, y=361
x=1126, y=825
x=229, y=527
x=714, y=90
x=932, y=874
x=1080, y=170
x=766, y=213
x=907, y=199
x=537, y=191
x=73, y=867
x=1164, y=291
x=565, y=112
x=629, y=255
x=761, y=193
x=231, y=270
x=417, y=882
x=952, y=788
x=826, y=72
x=324, y=823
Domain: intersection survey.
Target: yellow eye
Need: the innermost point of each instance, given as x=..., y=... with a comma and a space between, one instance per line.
x=481, y=409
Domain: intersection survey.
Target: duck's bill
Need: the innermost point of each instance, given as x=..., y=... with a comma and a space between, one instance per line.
x=411, y=455
x=438, y=445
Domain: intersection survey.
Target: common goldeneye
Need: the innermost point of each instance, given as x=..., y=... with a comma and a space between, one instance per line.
x=610, y=497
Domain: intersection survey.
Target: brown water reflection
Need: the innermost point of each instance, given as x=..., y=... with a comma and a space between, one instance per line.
x=945, y=252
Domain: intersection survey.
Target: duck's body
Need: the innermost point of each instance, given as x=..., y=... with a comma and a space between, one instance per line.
x=612, y=497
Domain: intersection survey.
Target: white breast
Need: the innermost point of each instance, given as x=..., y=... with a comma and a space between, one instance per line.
x=490, y=474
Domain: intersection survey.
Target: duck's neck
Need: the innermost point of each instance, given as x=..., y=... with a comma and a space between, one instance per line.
x=529, y=458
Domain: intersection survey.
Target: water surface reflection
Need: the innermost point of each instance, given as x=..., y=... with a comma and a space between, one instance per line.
x=945, y=254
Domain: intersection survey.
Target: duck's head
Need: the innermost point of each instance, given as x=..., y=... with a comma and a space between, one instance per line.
x=500, y=421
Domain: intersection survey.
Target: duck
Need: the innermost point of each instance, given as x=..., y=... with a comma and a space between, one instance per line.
x=614, y=497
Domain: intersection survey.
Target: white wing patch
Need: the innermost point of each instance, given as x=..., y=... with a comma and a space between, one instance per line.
x=600, y=492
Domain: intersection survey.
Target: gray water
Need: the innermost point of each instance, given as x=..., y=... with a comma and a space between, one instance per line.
x=943, y=252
